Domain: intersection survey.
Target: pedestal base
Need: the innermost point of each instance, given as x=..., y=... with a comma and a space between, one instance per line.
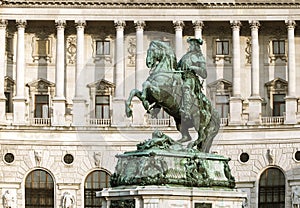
x=170, y=197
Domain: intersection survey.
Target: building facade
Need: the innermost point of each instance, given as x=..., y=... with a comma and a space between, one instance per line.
x=67, y=67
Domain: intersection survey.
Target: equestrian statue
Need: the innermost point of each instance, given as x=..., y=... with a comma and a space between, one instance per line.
x=177, y=89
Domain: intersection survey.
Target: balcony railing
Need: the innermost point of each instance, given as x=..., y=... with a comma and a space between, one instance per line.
x=224, y=122
x=40, y=121
x=275, y=120
x=99, y=122
x=159, y=122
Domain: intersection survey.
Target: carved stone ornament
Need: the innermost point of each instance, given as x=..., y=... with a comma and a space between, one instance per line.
x=97, y=158
x=296, y=196
x=131, y=51
x=9, y=199
x=68, y=200
x=71, y=49
x=38, y=155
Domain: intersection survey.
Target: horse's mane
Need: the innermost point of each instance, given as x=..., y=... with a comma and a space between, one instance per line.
x=167, y=52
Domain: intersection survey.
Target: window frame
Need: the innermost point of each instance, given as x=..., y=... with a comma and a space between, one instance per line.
x=47, y=192
x=222, y=53
x=105, y=106
x=40, y=105
x=91, y=191
x=104, y=48
x=267, y=190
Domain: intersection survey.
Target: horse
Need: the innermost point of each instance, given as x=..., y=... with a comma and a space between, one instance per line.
x=163, y=89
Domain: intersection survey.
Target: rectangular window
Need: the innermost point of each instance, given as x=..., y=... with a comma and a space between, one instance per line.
x=8, y=102
x=222, y=105
x=278, y=47
x=278, y=104
x=102, y=47
x=222, y=47
x=41, y=106
x=102, y=107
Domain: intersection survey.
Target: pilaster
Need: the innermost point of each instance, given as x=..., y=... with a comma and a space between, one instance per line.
x=79, y=101
x=236, y=100
x=59, y=102
x=3, y=25
x=178, y=25
x=255, y=99
x=140, y=62
x=291, y=100
x=19, y=99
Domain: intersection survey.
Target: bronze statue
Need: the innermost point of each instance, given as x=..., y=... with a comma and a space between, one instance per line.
x=177, y=89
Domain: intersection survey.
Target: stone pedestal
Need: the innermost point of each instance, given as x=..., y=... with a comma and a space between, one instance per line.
x=138, y=115
x=290, y=110
x=118, y=114
x=236, y=110
x=170, y=197
x=79, y=111
x=19, y=111
x=59, y=110
x=254, y=110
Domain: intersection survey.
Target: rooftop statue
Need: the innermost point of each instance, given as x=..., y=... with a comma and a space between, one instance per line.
x=176, y=88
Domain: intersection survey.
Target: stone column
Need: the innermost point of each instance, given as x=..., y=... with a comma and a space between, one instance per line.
x=178, y=25
x=79, y=101
x=118, y=106
x=59, y=105
x=291, y=99
x=140, y=72
x=198, y=26
x=236, y=100
x=255, y=99
x=140, y=62
x=3, y=24
x=19, y=99
x=119, y=54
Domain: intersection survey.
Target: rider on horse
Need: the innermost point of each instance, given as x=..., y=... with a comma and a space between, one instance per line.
x=193, y=65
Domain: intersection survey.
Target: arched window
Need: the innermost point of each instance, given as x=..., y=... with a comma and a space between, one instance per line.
x=39, y=190
x=272, y=189
x=95, y=181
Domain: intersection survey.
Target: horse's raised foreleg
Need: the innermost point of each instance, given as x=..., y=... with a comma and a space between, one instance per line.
x=143, y=97
x=133, y=93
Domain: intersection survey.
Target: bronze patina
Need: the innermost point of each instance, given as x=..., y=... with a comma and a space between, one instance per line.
x=177, y=90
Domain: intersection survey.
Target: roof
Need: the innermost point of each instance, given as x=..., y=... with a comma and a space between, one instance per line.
x=155, y=3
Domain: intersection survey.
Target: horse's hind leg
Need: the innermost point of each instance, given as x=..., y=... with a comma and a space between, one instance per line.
x=184, y=130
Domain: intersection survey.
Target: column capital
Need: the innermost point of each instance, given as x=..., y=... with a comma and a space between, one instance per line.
x=290, y=24
x=3, y=23
x=178, y=24
x=60, y=24
x=254, y=24
x=139, y=24
x=119, y=24
x=235, y=24
x=80, y=23
x=198, y=24
x=21, y=23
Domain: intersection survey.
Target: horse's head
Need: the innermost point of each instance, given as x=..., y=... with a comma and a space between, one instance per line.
x=162, y=55
x=152, y=55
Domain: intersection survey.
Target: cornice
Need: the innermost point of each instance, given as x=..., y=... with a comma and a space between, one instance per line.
x=157, y=5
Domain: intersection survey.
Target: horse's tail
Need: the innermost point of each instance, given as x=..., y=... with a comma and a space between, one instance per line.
x=211, y=130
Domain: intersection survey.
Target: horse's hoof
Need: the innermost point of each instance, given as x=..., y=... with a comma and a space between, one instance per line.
x=184, y=139
x=129, y=113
